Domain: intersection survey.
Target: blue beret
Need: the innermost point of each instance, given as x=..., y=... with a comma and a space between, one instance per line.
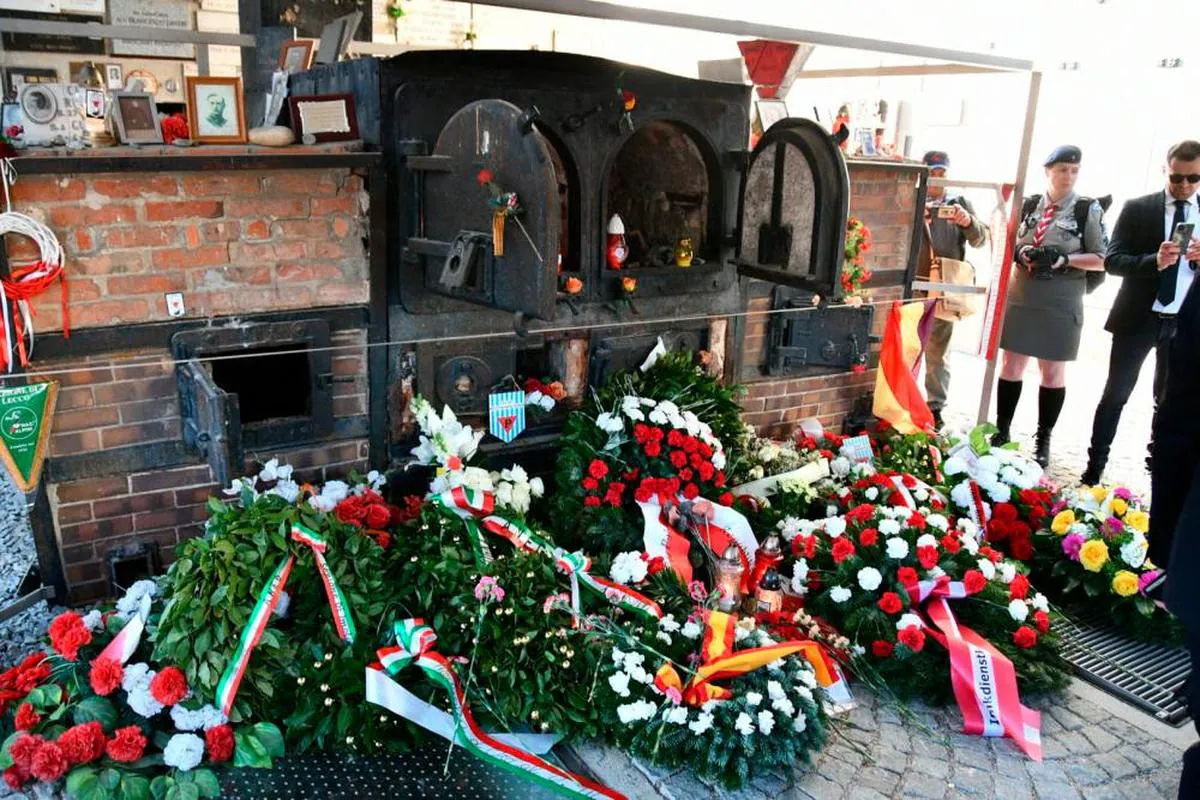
x=936, y=159
x=1066, y=154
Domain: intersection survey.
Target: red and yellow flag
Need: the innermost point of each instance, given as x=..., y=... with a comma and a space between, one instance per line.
x=898, y=398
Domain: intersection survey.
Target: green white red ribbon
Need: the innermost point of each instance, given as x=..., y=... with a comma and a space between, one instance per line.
x=125, y=643
x=264, y=607
x=415, y=646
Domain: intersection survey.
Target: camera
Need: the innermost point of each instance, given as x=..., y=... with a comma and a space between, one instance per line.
x=1043, y=260
x=51, y=114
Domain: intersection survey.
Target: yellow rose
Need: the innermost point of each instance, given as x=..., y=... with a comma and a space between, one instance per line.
x=1063, y=522
x=1138, y=520
x=1119, y=507
x=1125, y=583
x=1093, y=554
x=1099, y=492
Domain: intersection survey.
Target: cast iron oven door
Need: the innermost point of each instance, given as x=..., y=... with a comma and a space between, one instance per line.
x=455, y=246
x=794, y=206
x=816, y=341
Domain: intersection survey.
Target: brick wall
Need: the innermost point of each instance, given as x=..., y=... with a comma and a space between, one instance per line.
x=884, y=198
x=231, y=241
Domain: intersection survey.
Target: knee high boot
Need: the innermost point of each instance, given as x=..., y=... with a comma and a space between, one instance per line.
x=1050, y=403
x=1007, y=395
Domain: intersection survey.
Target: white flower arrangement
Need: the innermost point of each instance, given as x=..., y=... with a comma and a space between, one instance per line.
x=444, y=440
x=691, y=630
x=668, y=623
x=835, y=526
x=800, y=576
x=332, y=493
x=132, y=600
x=636, y=711
x=514, y=488
x=628, y=568
x=619, y=682
x=1040, y=602
x=540, y=399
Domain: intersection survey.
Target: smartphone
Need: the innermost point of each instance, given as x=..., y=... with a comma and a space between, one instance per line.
x=945, y=212
x=1182, y=236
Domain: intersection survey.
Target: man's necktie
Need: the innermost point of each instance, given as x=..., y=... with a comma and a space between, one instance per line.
x=1168, y=277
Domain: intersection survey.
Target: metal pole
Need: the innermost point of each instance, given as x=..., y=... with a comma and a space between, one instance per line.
x=989, y=376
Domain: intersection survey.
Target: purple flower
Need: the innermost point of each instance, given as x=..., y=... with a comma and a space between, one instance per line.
x=488, y=590
x=1057, y=507
x=1112, y=527
x=1146, y=578
x=1122, y=493
x=1072, y=544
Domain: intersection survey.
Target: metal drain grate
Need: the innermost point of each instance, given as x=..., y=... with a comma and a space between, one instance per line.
x=1143, y=674
x=417, y=774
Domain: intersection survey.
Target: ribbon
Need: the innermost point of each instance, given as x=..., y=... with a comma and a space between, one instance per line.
x=415, y=646
x=125, y=643
x=984, y=680
x=661, y=540
x=719, y=662
x=716, y=526
x=475, y=509
x=264, y=607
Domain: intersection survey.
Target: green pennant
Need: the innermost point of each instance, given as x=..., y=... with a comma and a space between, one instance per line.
x=25, y=414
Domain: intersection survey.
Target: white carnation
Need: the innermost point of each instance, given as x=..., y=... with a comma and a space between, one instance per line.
x=775, y=690
x=908, y=621
x=619, y=681
x=896, y=547
x=799, y=723
x=953, y=466
x=639, y=674
x=1018, y=610
x=184, y=751
x=969, y=543
x=744, y=724
x=840, y=466
x=835, y=526
x=1007, y=571
x=201, y=719
x=133, y=597
x=889, y=527
x=628, y=568
x=91, y=620
x=938, y=521
x=142, y=702
x=691, y=630
x=872, y=493
x=807, y=678
x=927, y=540
x=839, y=594
x=800, y=576
x=989, y=464
x=766, y=722
x=784, y=706
x=921, y=495
x=869, y=578
x=701, y=724
x=610, y=423
x=718, y=460
x=635, y=711
x=987, y=568
x=677, y=715
x=999, y=492
x=668, y=623
x=753, y=698
x=1040, y=602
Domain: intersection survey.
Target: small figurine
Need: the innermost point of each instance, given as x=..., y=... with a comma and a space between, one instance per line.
x=618, y=250
x=683, y=252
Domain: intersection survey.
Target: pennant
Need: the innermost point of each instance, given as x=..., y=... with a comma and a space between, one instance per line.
x=506, y=415
x=898, y=398
x=25, y=415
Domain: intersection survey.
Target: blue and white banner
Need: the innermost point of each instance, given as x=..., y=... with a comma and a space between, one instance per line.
x=506, y=415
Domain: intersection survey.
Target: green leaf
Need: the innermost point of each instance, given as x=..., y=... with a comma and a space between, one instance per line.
x=160, y=785
x=188, y=791
x=5, y=759
x=110, y=779
x=250, y=752
x=96, y=709
x=134, y=787
x=82, y=782
x=218, y=596
x=173, y=792
x=271, y=738
x=206, y=782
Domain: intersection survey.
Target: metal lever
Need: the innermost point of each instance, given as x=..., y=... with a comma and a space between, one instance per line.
x=465, y=248
x=528, y=117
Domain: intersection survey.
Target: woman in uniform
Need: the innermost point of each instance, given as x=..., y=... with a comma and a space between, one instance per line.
x=1044, y=319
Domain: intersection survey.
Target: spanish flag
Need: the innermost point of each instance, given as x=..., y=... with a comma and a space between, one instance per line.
x=898, y=398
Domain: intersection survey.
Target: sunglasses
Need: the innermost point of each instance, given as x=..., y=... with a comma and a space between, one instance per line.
x=1177, y=178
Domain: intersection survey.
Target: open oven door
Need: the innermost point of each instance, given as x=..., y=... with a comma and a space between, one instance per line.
x=456, y=245
x=793, y=209
x=211, y=421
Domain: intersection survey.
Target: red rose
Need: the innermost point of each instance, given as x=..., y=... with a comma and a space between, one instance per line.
x=382, y=538
x=219, y=741
x=678, y=458
x=592, y=501
x=590, y=484
x=890, y=603
x=1019, y=588
x=83, y=743
x=16, y=777
x=912, y=637
x=26, y=718
x=169, y=686
x=951, y=543
x=49, y=763
x=928, y=556
x=726, y=499
x=906, y=576
x=68, y=634
x=1021, y=548
x=1042, y=620
x=691, y=491
x=974, y=581
x=881, y=649
x=869, y=537
x=126, y=745
x=378, y=516
x=350, y=511
x=1025, y=637
x=843, y=548
x=652, y=449
x=22, y=749
x=597, y=469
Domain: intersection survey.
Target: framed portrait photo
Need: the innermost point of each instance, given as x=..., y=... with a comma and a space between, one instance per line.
x=136, y=118
x=296, y=55
x=326, y=117
x=113, y=77
x=216, y=111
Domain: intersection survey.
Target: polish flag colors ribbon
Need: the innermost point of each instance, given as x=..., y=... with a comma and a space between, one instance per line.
x=415, y=646
x=264, y=607
x=125, y=643
x=983, y=679
x=716, y=526
x=661, y=540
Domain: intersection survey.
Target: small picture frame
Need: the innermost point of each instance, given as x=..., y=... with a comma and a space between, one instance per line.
x=16, y=77
x=327, y=117
x=329, y=49
x=114, y=77
x=95, y=106
x=216, y=110
x=136, y=118
x=296, y=55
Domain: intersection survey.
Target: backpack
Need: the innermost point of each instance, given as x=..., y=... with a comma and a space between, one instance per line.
x=1083, y=206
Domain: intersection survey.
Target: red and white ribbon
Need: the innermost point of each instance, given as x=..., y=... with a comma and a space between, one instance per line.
x=125, y=643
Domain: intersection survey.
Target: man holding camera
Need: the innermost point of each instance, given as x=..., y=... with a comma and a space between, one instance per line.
x=1157, y=268
x=952, y=225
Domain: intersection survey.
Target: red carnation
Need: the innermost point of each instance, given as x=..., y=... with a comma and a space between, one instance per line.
x=16, y=777
x=219, y=741
x=83, y=743
x=860, y=513
x=31, y=673
x=597, y=469
x=881, y=649
x=1042, y=620
x=642, y=494
x=912, y=637
x=22, y=749
x=917, y=520
x=679, y=459
x=973, y=581
x=485, y=177
x=590, y=484
x=691, y=444
x=631, y=476
x=652, y=449
x=928, y=556
x=906, y=575
x=1025, y=637
x=591, y=501
x=378, y=516
x=68, y=634
x=825, y=454
x=890, y=603
x=869, y=537
x=719, y=479
x=990, y=554
x=1021, y=547
x=640, y=432
x=654, y=565
x=843, y=548
x=675, y=439
x=126, y=745
x=1019, y=588
x=726, y=499
x=613, y=495
x=49, y=763
x=805, y=546
x=691, y=491
x=1004, y=512
x=951, y=543
x=695, y=460
x=706, y=471
x=26, y=718
x=169, y=686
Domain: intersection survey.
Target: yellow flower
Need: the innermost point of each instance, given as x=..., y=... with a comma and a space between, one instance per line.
x=1138, y=520
x=1093, y=554
x=1063, y=522
x=1099, y=492
x=1119, y=507
x=1125, y=583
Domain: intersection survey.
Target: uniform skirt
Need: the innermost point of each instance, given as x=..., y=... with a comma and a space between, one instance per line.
x=1044, y=318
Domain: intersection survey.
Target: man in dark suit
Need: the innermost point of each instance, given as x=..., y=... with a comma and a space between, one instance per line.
x=1157, y=275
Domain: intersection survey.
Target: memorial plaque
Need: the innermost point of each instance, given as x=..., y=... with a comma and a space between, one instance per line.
x=309, y=17
x=174, y=15
x=46, y=42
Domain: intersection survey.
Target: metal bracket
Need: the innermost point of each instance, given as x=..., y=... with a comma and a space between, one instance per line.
x=465, y=250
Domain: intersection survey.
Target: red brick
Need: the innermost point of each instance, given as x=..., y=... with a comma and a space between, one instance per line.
x=291, y=271
x=341, y=227
x=191, y=236
x=85, y=593
x=78, y=555
x=146, y=284
x=140, y=236
x=331, y=250
x=100, y=529
x=86, y=418
x=349, y=406
x=306, y=182
x=75, y=397
x=221, y=231
x=751, y=405
x=302, y=228
x=110, y=312
x=169, y=479
x=107, y=214
x=185, y=209
x=68, y=444
x=333, y=205
x=250, y=276
x=83, y=573
x=47, y=188
x=20, y=248
x=242, y=253
x=83, y=240
x=219, y=185
x=147, y=410
x=76, y=377
x=337, y=294
x=344, y=366
x=258, y=229
x=135, y=186
x=169, y=517
x=119, y=506
x=278, y=207
x=156, y=430
x=352, y=183
x=125, y=391
x=91, y=489
x=200, y=494
x=76, y=512
x=181, y=258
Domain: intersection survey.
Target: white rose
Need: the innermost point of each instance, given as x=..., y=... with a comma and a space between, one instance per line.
x=839, y=594
x=897, y=548
x=619, y=681
x=869, y=578
x=1018, y=610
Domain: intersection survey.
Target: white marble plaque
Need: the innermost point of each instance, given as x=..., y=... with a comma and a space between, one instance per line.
x=175, y=15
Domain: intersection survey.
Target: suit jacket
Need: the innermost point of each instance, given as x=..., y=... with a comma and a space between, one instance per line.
x=1132, y=255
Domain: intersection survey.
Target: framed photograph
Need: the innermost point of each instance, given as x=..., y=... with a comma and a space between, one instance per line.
x=296, y=55
x=327, y=117
x=16, y=77
x=331, y=41
x=113, y=76
x=216, y=111
x=136, y=118
x=94, y=105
